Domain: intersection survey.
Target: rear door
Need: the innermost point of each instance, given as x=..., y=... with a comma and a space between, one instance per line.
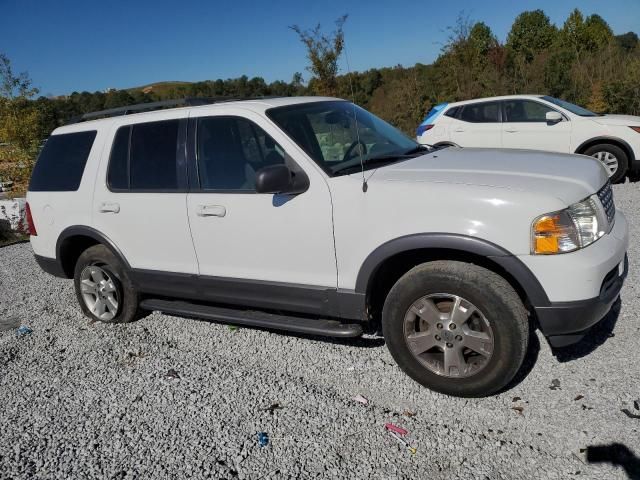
x=525, y=126
x=256, y=249
x=477, y=125
x=140, y=195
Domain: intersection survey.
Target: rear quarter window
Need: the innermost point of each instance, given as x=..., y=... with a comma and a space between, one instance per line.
x=61, y=163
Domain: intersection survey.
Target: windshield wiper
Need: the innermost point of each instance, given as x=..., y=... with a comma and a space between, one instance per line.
x=370, y=162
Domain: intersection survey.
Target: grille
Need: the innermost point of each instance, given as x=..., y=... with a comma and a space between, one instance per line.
x=605, y=194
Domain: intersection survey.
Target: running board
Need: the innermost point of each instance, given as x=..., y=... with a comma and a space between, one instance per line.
x=253, y=318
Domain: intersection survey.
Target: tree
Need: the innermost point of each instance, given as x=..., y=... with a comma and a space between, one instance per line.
x=531, y=33
x=20, y=126
x=597, y=33
x=627, y=41
x=482, y=39
x=323, y=52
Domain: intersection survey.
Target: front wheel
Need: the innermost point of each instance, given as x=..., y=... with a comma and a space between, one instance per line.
x=456, y=328
x=613, y=158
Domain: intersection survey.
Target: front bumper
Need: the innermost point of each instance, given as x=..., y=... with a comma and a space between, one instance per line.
x=580, y=286
x=566, y=323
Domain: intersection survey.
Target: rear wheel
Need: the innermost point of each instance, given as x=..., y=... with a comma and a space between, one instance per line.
x=456, y=328
x=103, y=288
x=613, y=158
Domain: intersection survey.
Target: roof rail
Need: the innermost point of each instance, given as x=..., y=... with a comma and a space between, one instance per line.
x=150, y=106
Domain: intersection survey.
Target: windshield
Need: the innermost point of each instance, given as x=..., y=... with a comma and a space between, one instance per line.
x=327, y=132
x=583, y=112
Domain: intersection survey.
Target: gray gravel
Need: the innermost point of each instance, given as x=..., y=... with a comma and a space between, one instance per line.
x=168, y=397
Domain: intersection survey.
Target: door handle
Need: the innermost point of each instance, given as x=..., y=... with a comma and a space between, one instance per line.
x=512, y=130
x=459, y=130
x=106, y=207
x=211, y=211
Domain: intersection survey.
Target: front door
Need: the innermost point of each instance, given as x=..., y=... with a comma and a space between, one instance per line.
x=525, y=126
x=273, y=251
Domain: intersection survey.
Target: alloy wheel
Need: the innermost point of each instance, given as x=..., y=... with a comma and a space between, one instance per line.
x=448, y=335
x=609, y=160
x=99, y=292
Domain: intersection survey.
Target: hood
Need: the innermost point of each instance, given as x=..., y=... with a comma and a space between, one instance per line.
x=570, y=178
x=627, y=120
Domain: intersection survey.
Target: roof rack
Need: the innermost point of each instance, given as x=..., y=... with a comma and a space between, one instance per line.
x=151, y=106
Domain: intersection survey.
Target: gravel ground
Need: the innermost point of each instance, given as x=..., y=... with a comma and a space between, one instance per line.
x=169, y=397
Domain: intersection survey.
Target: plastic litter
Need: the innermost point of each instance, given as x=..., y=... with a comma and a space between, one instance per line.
x=401, y=440
x=395, y=429
x=263, y=439
x=23, y=330
x=578, y=397
x=360, y=399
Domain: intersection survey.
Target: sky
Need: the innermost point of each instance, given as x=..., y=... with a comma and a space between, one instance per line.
x=72, y=45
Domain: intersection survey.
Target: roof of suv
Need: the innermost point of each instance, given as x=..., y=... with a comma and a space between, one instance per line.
x=259, y=105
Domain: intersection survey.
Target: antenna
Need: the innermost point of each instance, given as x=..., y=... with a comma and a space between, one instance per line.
x=355, y=116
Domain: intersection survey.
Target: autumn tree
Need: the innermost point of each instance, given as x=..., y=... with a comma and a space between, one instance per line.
x=323, y=52
x=20, y=126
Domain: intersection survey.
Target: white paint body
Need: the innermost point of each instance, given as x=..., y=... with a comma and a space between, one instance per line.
x=322, y=236
x=566, y=136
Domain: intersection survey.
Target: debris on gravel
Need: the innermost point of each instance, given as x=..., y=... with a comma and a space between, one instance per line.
x=169, y=397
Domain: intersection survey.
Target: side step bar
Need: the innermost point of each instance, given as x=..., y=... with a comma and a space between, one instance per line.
x=253, y=318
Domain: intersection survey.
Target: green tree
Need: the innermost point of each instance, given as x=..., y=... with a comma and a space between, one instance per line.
x=323, y=52
x=20, y=126
x=627, y=41
x=531, y=33
x=597, y=33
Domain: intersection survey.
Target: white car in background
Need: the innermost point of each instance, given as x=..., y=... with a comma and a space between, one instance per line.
x=536, y=122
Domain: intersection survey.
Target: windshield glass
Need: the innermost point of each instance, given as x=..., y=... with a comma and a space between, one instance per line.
x=583, y=112
x=327, y=132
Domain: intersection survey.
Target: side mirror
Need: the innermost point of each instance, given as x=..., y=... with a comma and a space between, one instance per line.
x=281, y=179
x=553, y=117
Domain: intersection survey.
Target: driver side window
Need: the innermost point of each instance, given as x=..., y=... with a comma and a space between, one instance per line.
x=230, y=150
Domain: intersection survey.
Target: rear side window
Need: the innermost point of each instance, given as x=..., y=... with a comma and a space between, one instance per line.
x=488, y=112
x=452, y=112
x=61, y=163
x=144, y=157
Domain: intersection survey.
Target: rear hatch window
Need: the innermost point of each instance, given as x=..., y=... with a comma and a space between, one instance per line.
x=61, y=163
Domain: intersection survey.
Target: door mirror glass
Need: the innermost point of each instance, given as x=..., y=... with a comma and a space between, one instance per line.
x=553, y=117
x=280, y=179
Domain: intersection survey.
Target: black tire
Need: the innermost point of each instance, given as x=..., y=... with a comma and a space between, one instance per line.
x=619, y=153
x=128, y=298
x=491, y=294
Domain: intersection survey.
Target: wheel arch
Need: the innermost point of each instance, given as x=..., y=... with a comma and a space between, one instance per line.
x=618, y=142
x=386, y=264
x=76, y=239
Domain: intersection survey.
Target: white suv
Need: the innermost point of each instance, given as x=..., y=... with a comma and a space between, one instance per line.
x=312, y=215
x=539, y=123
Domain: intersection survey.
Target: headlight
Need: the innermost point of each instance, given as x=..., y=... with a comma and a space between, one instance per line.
x=570, y=229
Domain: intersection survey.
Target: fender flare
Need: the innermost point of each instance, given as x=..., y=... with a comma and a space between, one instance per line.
x=461, y=243
x=85, y=231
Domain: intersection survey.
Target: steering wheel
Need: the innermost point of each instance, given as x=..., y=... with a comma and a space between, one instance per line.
x=349, y=151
